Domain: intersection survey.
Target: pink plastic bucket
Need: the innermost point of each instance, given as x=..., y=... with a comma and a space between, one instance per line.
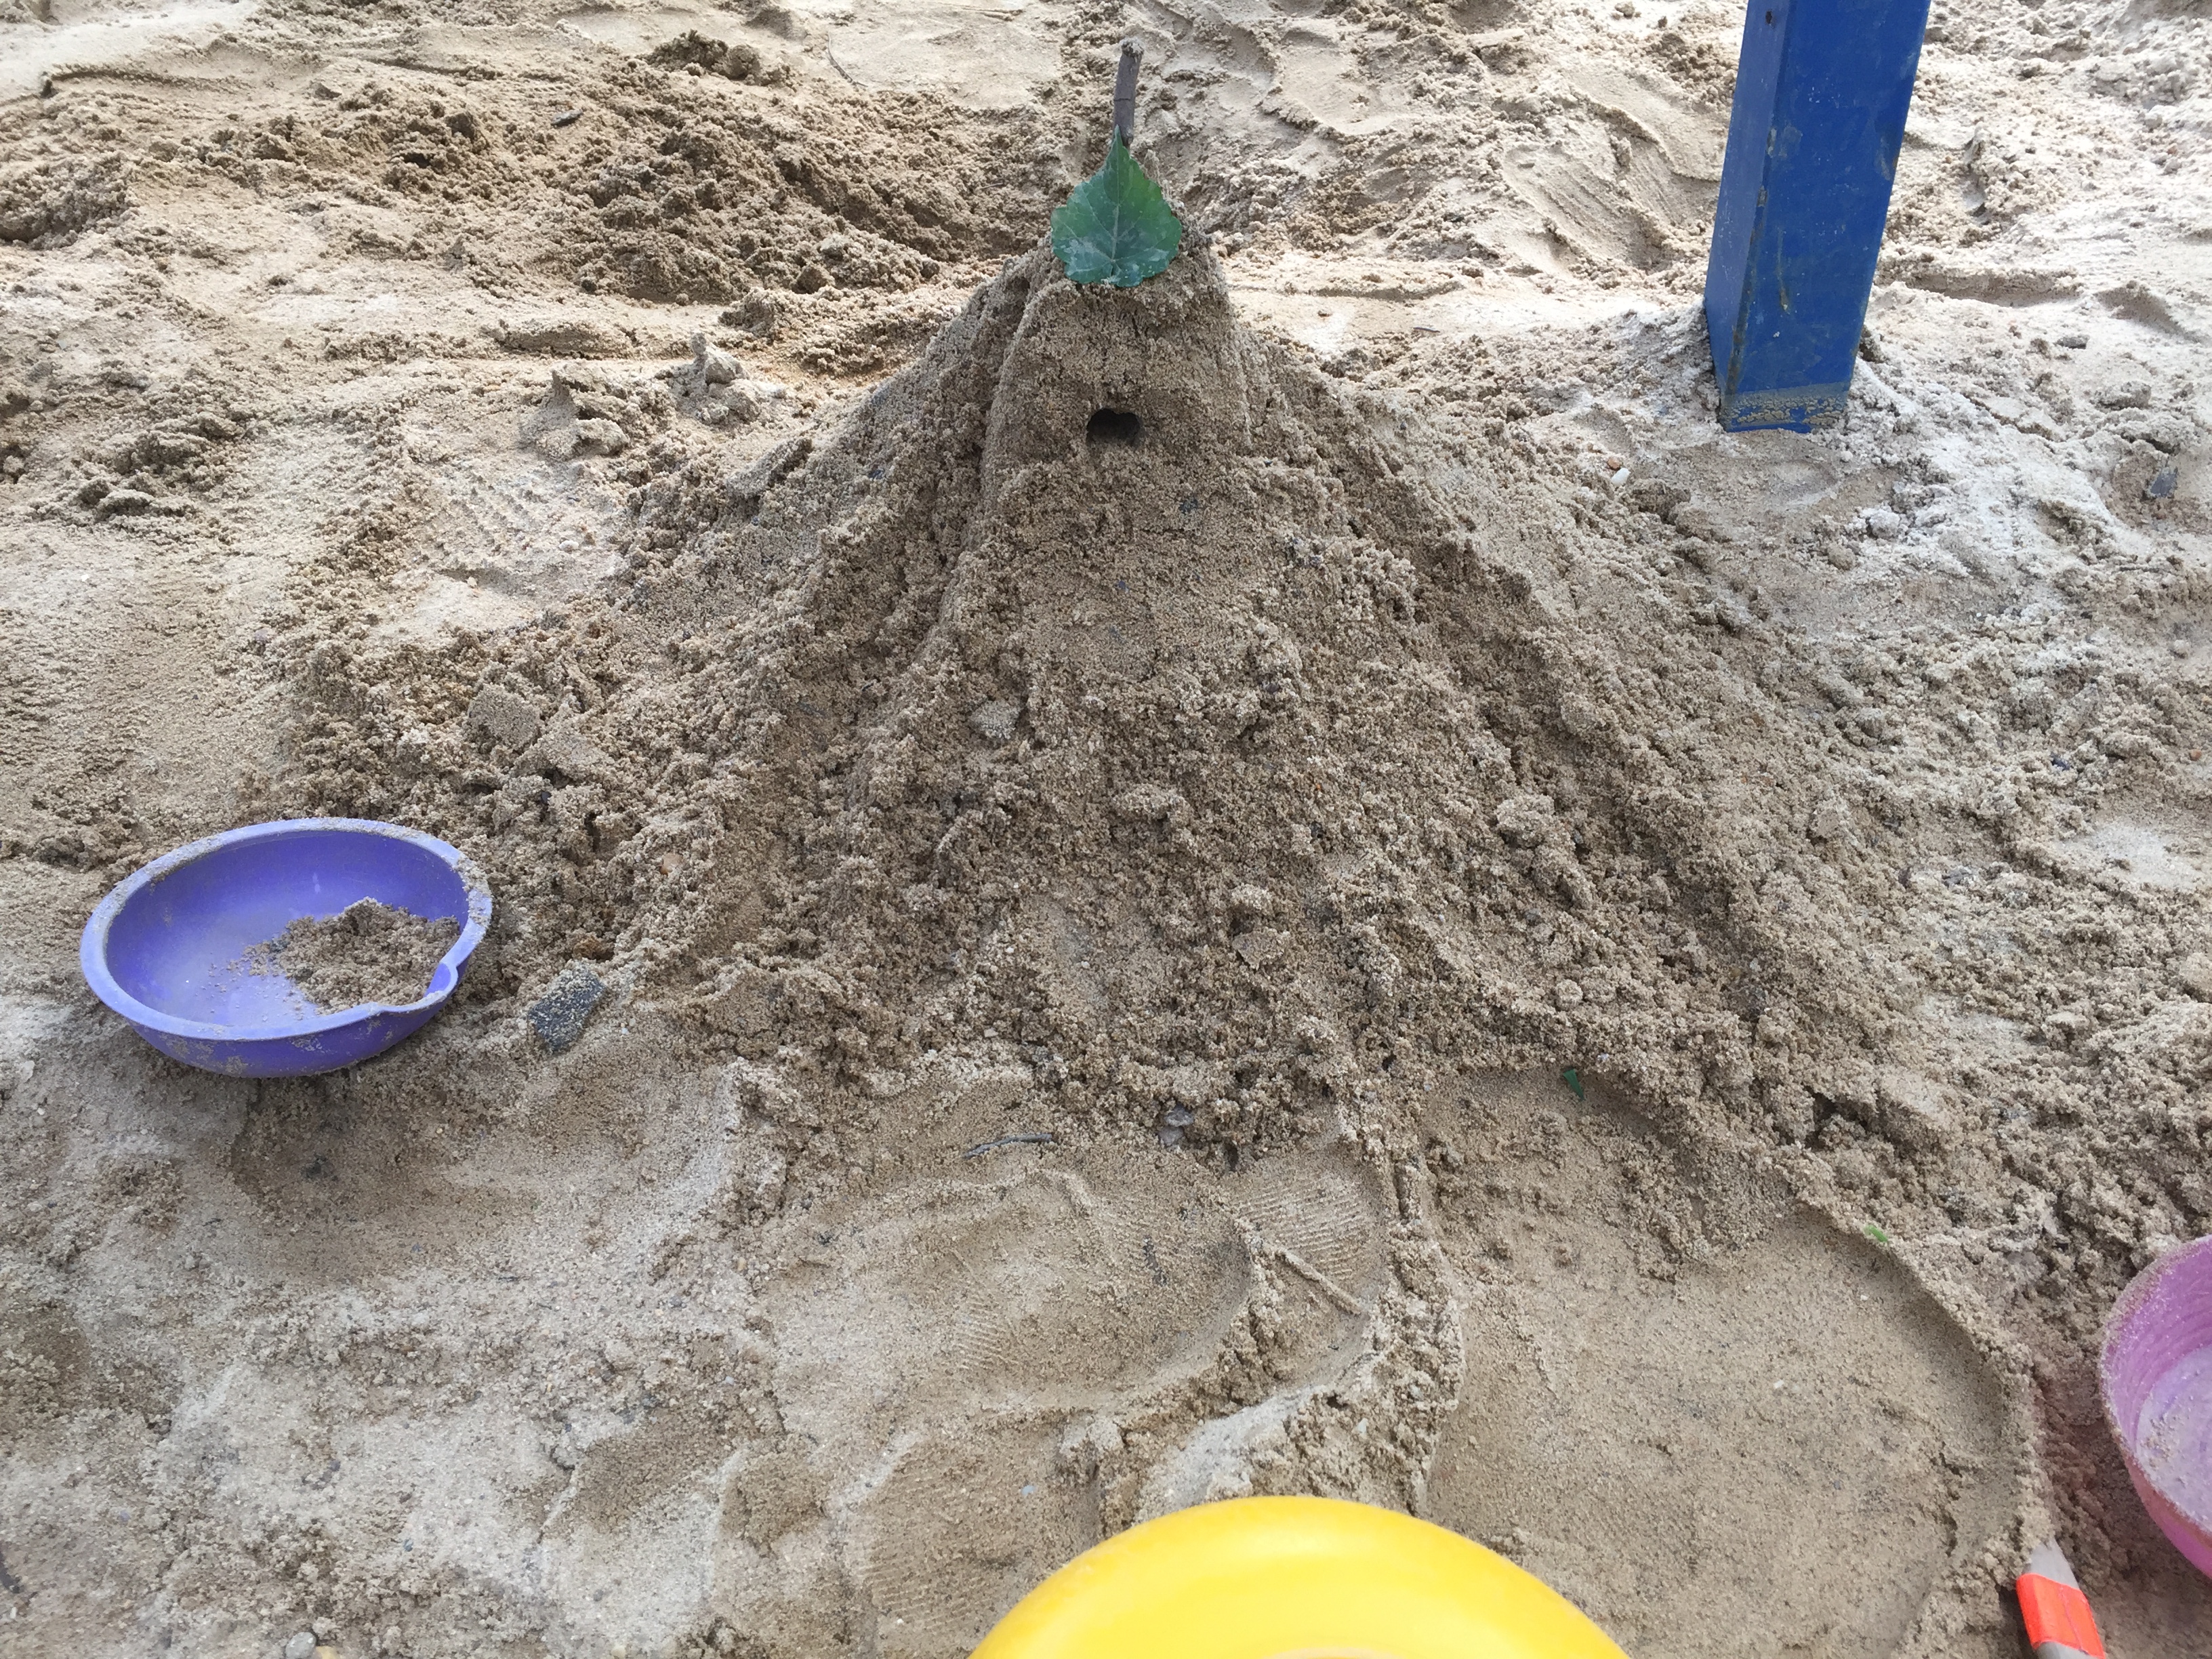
x=2157, y=1378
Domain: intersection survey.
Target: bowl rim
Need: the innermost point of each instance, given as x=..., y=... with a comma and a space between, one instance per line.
x=2192, y=1256
x=92, y=949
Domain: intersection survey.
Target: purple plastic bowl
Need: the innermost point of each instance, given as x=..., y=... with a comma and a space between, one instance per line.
x=2157, y=1379
x=161, y=949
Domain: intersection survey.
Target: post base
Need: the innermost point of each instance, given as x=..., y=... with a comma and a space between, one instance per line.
x=1798, y=408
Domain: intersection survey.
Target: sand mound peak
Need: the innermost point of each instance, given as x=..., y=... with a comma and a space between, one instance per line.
x=1166, y=364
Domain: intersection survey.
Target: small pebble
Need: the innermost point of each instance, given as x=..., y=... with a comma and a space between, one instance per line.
x=558, y=1016
x=301, y=1646
x=996, y=721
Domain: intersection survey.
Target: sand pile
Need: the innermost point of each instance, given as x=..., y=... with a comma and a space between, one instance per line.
x=1213, y=764
x=1117, y=695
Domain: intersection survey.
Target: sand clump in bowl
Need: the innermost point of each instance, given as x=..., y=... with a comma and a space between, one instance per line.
x=369, y=952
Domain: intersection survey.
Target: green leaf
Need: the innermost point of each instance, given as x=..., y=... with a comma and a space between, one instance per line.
x=1117, y=227
x=1873, y=1230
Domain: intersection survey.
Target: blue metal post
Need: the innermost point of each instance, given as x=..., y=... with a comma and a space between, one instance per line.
x=1821, y=91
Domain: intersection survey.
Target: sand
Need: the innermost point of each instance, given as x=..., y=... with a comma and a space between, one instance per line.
x=1296, y=880
x=367, y=952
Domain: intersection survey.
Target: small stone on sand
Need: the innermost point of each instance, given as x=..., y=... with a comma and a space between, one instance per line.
x=558, y=1016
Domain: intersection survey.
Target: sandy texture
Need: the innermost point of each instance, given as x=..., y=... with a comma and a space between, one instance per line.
x=367, y=952
x=1298, y=880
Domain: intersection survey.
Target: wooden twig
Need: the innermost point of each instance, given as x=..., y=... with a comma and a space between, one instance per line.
x=1125, y=92
x=1043, y=1139
x=1343, y=1300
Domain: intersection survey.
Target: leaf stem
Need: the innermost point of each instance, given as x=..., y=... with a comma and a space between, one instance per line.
x=1125, y=92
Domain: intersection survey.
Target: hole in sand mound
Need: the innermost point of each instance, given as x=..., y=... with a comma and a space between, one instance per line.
x=1114, y=426
x=1716, y=1422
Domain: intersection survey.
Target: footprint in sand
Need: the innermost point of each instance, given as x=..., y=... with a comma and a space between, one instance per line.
x=980, y=1364
x=1717, y=1423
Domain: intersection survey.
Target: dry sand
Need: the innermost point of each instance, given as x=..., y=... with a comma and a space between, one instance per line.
x=1431, y=929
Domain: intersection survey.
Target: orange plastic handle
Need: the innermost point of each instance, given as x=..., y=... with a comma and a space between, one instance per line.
x=2058, y=1615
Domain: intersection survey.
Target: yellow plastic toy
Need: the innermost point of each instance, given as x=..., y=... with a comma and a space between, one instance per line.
x=1292, y=1578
